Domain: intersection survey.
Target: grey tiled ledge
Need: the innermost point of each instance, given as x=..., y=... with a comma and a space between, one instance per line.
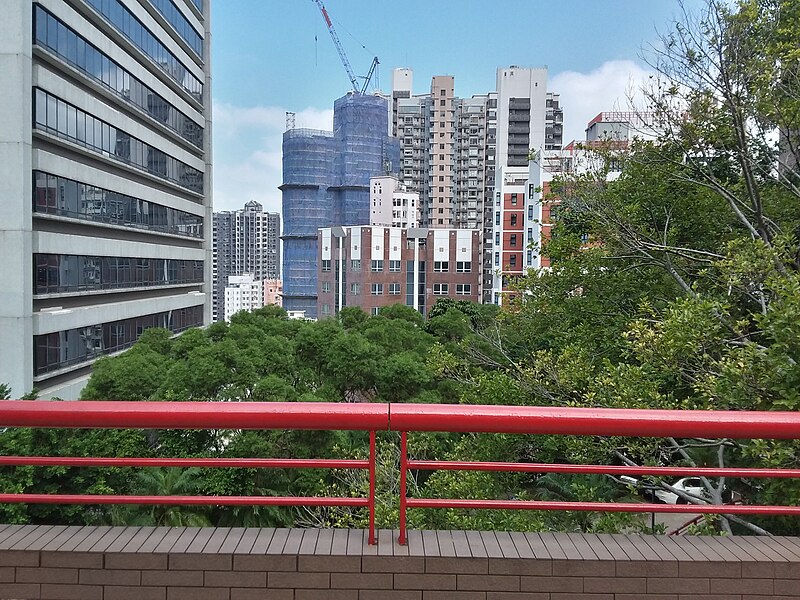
x=163, y=563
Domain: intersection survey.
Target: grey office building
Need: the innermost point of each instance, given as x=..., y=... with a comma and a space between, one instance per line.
x=105, y=182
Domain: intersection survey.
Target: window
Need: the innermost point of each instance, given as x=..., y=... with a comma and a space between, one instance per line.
x=441, y=289
x=375, y=310
x=377, y=289
x=442, y=92
x=394, y=266
x=512, y=260
x=497, y=218
x=513, y=199
x=530, y=233
x=326, y=309
x=442, y=102
x=326, y=286
x=497, y=238
x=464, y=267
x=355, y=289
x=530, y=212
x=394, y=289
x=463, y=289
x=496, y=259
x=512, y=240
x=377, y=266
x=326, y=266
x=513, y=220
x=441, y=266
x=355, y=265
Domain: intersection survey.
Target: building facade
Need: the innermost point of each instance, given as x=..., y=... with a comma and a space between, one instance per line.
x=374, y=267
x=246, y=241
x=522, y=122
x=391, y=204
x=455, y=152
x=106, y=187
x=326, y=182
x=273, y=292
x=243, y=292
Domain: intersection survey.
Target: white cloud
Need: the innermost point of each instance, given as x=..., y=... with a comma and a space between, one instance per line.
x=247, y=152
x=608, y=88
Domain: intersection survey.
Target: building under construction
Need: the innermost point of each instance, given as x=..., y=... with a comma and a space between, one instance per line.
x=326, y=183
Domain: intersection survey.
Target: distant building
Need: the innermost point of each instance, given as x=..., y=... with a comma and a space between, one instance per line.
x=374, y=267
x=522, y=122
x=246, y=241
x=391, y=205
x=450, y=147
x=613, y=131
x=105, y=178
x=243, y=292
x=326, y=182
x=273, y=292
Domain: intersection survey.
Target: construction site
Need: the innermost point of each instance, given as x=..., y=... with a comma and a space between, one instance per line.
x=326, y=177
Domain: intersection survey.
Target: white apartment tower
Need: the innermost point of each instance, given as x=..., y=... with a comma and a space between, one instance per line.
x=391, y=205
x=105, y=181
x=521, y=124
x=243, y=292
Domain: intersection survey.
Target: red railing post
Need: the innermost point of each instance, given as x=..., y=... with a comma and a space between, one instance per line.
x=372, y=458
x=403, y=466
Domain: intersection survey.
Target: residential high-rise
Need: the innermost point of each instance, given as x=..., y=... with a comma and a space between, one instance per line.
x=521, y=124
x=453, y=150
x=326, y=182
x=243, y=292
x=246, y=241
x=105, y=207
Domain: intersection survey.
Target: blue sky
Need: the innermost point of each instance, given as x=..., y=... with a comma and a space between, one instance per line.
x=271, y=56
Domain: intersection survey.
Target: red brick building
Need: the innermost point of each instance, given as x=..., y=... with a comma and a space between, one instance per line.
x=372, y=267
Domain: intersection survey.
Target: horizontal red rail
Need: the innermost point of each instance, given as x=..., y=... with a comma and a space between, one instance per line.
x=434, y=465
x=185, y=500
x=402, y=417
x=322, y=416
x=259, y=463
x=632, y=507
x=595, y=421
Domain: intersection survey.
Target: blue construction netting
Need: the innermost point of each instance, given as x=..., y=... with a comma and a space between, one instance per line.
x=326, y=183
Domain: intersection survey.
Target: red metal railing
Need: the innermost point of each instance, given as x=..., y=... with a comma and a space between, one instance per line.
x=588, y=421
x=403, y=418
x=198, y=415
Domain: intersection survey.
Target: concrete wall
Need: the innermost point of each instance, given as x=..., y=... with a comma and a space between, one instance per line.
x=16, y=271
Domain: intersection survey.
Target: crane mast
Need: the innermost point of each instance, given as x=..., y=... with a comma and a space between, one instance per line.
x=342, y=55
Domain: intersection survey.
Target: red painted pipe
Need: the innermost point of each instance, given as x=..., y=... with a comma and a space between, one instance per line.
x=725, y=509
x=328, y=416
x=259, y=463
x=433, y=465
x=184, y=500
x=595, y=421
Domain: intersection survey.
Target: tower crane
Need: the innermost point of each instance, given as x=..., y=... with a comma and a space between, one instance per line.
x=340, y=49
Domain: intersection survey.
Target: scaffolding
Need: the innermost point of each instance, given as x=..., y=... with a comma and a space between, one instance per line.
x=326, y=183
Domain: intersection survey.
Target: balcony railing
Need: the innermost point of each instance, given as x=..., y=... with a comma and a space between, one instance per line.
x=405, y=419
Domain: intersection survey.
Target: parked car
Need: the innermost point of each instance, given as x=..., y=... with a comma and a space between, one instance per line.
x=690, y=485
x=649, y=491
